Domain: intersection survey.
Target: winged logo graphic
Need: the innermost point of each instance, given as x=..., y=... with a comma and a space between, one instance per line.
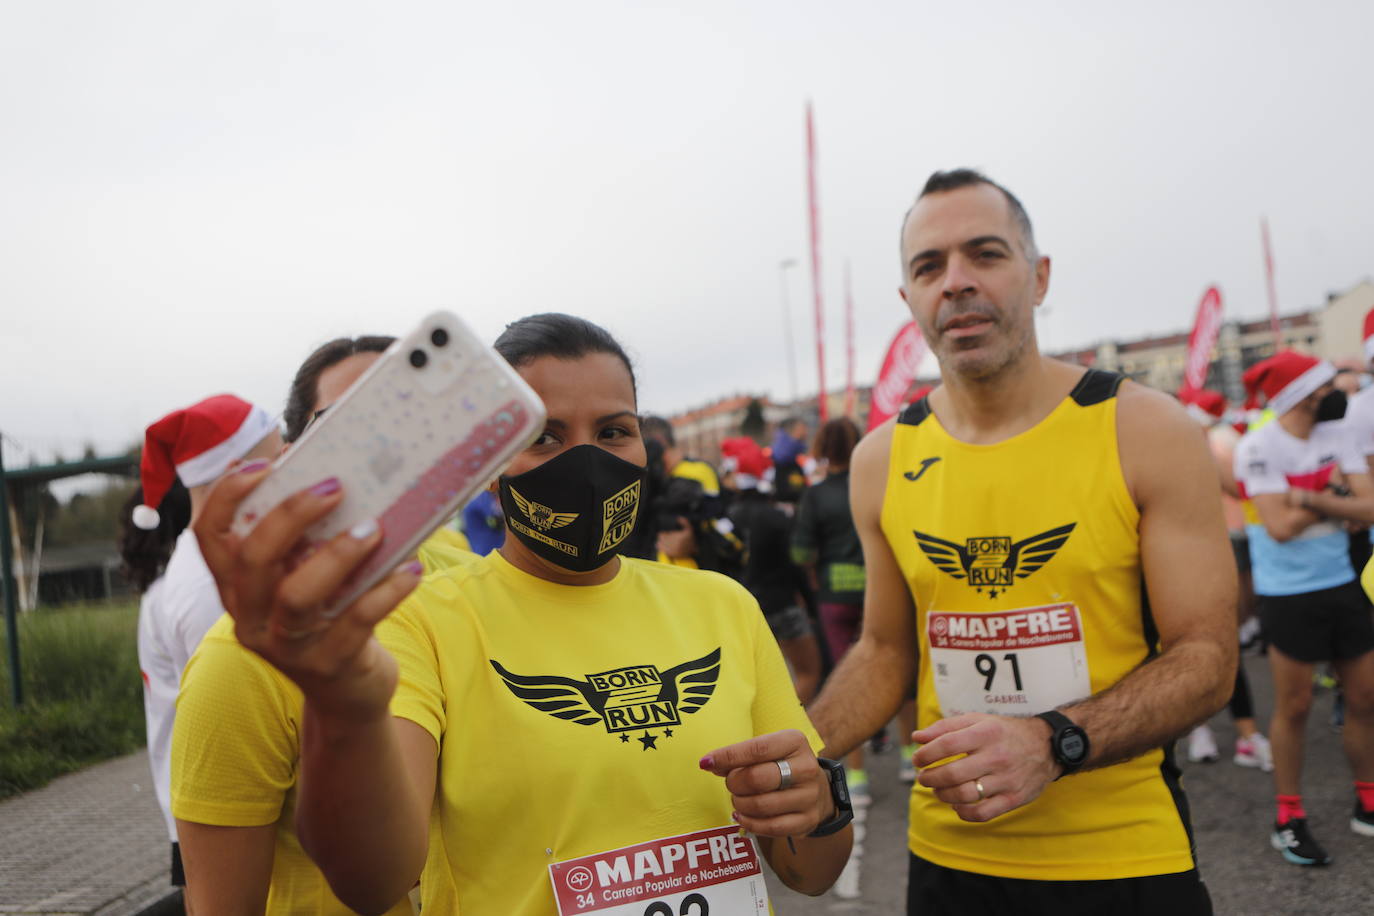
x=540, y=515
x=623, y=699
x=993, y=563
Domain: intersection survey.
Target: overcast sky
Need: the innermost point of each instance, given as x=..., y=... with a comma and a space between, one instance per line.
x=194, y=195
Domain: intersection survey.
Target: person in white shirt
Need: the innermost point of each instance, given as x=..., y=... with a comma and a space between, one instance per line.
x=1305, y=477
x=196, y=446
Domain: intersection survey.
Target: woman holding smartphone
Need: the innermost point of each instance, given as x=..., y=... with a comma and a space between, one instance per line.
x=548, y=702
x=236, y=746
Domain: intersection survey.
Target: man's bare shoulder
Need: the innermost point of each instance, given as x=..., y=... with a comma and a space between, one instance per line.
x=1157, y=439
x=871, y=454
x=1139, y=406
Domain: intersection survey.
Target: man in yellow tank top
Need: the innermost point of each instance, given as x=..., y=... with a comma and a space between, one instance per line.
x=1012, y=522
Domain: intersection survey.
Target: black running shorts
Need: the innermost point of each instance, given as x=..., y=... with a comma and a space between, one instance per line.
x=1334, y=623
x=933, y=890
x=178, y=873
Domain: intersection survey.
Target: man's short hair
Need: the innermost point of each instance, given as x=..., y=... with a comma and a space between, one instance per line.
x=952, y=180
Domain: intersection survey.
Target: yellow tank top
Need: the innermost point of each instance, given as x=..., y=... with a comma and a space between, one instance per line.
x=1023, y=560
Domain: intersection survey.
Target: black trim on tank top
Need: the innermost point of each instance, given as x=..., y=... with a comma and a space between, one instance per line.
x=1096, y=386
x=915, y=413
x=1169, y=770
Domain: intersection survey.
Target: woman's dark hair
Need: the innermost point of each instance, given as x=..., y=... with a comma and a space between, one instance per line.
x=560, y=336
x=300, y=403
x=836, y=440
x=145, y=553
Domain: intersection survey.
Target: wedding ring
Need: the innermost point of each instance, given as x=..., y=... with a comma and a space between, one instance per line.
x=785, y=770
x=978, y=784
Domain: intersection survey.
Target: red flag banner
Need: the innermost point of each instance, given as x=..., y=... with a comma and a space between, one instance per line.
x=812, y=209
x=903, y=359
x=1201, y=342
x=849, y=397
x=1269, y=282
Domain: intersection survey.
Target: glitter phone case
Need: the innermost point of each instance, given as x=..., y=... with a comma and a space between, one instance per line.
x=431, y=422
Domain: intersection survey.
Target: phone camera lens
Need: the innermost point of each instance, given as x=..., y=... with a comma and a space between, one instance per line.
x=418, y=358
x=438, y=337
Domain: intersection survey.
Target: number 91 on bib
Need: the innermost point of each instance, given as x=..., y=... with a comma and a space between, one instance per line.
x=1014, y=663
x=715, y=871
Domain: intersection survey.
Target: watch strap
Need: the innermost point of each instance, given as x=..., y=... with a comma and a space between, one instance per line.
x=839, y=794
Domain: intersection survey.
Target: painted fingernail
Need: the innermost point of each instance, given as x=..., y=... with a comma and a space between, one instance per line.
x=414, y=568
x=706, y=762
x=325, y=487
x=363, y=530
x=257, y=464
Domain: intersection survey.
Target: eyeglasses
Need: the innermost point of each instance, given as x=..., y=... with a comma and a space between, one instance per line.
x=313, y=417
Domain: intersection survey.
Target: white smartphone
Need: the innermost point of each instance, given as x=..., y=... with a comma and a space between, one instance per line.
x=431, y=422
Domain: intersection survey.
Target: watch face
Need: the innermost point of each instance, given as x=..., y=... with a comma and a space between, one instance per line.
x=1073, y=745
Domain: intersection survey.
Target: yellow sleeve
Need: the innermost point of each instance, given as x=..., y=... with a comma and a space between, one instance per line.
x=236, y=741
x=701, y=472
x=445, y=548
x=1367, y=579
x=776, y=705
x=406, y=633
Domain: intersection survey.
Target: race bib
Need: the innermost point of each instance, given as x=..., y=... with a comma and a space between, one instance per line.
x=1014, y=663
x=697, y=874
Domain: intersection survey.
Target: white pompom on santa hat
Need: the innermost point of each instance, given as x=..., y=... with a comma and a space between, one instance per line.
x=1286, y=378
x=197, y=444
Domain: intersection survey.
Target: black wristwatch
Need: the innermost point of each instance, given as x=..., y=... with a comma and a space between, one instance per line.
x=1068, y=742
x=839, y=794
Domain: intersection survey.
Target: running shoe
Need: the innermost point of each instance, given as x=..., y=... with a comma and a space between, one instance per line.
x=1362, y=821
x=1254, y=752
x=906, y=770
x=859, y=795
x=1202, y=745
x=1296, y=843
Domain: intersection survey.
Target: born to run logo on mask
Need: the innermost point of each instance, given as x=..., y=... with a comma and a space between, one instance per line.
x=576, y=508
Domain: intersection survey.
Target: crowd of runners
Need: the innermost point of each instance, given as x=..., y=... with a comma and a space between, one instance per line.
x=1025, y=580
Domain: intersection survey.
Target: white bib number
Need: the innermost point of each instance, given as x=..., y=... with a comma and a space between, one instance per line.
x=1008, y=662
x=708, y=873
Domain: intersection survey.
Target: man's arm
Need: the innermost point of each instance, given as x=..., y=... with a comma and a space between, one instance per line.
x=228, y=869
x=870, y=683
x=1358, y=507
x=1191, y=582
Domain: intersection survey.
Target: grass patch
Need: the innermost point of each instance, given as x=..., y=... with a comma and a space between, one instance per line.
x=83, y=695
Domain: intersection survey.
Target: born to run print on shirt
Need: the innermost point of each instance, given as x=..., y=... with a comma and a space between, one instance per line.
x=624, y=700
x=993, y=563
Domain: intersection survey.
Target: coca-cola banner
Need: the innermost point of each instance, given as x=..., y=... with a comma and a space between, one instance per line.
x=1200, y=344
x=903, y=358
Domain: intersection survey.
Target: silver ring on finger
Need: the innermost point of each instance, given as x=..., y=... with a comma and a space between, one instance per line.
x=785, y=771
x=978, y=784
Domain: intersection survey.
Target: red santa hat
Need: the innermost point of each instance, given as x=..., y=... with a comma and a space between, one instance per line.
x=197, y=444
x=1369, y=336
x=1286, y=378
x=748, y=460
x=1204, y=405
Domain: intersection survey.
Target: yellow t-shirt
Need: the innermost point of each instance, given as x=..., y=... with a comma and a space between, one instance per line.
x=570, y=720
x=236, y=744
x=701, y=472
x=1023, y=561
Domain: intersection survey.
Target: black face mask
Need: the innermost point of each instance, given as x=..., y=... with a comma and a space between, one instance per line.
x=575, y=509
x=1331, y=407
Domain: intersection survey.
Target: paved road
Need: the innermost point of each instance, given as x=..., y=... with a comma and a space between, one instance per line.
x=1232, y=815
x=92, y=842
